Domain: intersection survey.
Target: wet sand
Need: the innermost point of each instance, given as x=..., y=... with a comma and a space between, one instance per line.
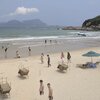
x=39, y=46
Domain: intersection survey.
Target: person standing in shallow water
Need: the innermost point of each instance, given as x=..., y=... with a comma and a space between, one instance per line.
x=68, y=57
x=48, y=62
x=41, y=89
x=50, y=95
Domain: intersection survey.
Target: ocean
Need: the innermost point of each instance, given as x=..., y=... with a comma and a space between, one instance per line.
x=57, y=40
x=16, y=34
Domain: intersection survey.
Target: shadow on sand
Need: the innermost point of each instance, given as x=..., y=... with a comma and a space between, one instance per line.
x=61, y=71
x=22, y=77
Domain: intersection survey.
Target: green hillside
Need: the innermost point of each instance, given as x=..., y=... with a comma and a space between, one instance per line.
x=94, y=22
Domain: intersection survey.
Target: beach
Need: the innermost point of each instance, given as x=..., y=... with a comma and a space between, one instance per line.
x=73, y=84
x=50, y=50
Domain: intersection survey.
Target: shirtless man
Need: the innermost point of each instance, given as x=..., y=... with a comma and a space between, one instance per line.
x=41, y=89
x=50, y=95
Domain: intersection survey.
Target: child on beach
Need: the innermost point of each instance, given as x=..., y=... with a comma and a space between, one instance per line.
x=17, y=54
x=41, y=89
x=50, y=95
x=42, y=58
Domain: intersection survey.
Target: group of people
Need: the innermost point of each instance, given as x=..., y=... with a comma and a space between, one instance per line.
x=68, y=57
x=17, y=52
x=62, y=58
x=50, y=91
x=18, y=55
x=50, y=41
x=48, y=59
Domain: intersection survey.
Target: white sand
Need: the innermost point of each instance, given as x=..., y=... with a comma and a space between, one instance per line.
x=75, y=84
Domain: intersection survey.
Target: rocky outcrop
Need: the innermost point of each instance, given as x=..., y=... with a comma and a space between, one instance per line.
x=93, y=23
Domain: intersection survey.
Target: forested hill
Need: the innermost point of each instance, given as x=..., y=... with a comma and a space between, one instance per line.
x=93, y=23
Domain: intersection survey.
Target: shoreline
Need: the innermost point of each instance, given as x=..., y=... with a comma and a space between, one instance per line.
x=38, y=47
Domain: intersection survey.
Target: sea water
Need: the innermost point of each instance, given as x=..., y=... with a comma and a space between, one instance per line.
x=62, y=40
x=16, y=34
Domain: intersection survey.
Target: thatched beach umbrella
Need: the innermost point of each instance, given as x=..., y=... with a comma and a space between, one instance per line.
x=91, y=54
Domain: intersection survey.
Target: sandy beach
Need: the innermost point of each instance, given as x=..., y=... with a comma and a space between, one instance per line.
x=74, y=84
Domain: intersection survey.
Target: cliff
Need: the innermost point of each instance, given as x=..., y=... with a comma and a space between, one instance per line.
x=93, y=23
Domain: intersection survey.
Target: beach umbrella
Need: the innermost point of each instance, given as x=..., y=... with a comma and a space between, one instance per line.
x=91, y=54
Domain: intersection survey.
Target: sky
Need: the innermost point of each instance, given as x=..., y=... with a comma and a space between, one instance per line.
x=52, y=12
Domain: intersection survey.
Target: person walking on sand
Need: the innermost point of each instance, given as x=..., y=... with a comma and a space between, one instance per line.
x=68, y=57
x=29, y=49
x=42, y=58
x=62, y=57
x=41, y=89
x=48, y=60
x=50, y=94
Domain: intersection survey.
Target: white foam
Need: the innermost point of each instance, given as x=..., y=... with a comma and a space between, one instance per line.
x=28, y=38
x=46, y=37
